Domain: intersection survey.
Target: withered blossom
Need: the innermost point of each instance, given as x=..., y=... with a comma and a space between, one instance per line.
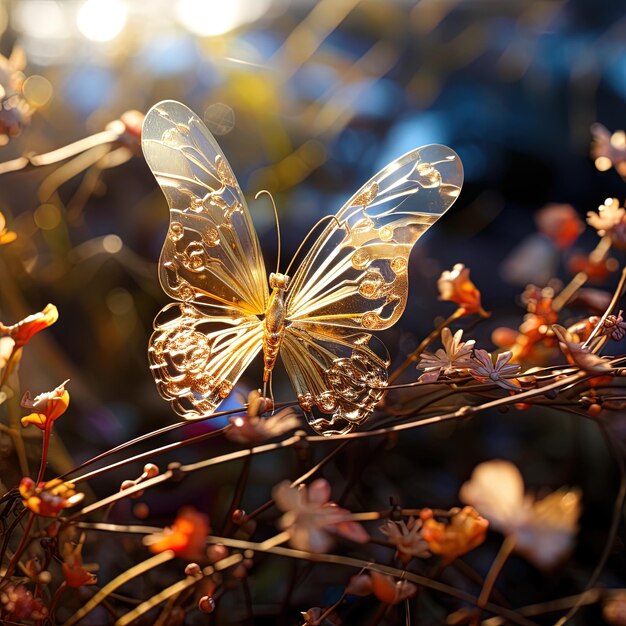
x=485, y=370
x=456, y=286
x=251, y=428
x=186, y=537
x=614, y=326
x=610, y=221
x=455, y=356
x=465, y=530
x=46, y=407
x=543, y=529
x=580, y=355
x=407, y=538
x=48, y=499
x=310, y=518
x=76, y=574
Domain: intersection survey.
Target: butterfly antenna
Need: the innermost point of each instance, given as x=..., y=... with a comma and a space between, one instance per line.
x=324, y=219
x=277, y=223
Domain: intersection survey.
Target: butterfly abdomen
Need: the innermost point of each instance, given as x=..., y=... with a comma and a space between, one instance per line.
x=274, y=323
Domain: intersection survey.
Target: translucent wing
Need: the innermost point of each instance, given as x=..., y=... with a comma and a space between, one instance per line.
x=197, y=353
x=211, y=261
x=211, y=253
x=355, y=275
x=338, y=377
x=355, y=279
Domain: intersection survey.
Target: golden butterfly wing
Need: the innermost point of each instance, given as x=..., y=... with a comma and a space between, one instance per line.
x=197, y=352
x=211, y=261
x=354, y=280
x=211, y=252
x=355, y=275
x=338, y=378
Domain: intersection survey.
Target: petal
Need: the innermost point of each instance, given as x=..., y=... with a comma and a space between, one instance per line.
x=496, y=491
x=319, y=491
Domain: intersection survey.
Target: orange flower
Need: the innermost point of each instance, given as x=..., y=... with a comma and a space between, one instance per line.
x=186, y=537
x=464, y=531
x=389, y=590
x=559, y=222
x=76, y=574
x=6, y=236
x=48, y=499
x=47, y=407
x=23, y=331
x=456, y=286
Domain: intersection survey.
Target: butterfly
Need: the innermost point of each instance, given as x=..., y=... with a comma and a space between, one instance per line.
x=319, y=319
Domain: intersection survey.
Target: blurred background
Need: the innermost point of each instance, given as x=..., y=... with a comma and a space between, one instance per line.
x=308, y=100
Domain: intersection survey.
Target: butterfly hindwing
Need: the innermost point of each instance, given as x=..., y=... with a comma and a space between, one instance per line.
x=338, y=377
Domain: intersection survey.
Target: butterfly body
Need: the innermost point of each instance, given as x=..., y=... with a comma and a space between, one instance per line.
x=274, y=323
x=319, y=320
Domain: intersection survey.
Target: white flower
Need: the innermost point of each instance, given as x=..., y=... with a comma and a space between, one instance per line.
x=543, y=529
x=483, y=369
x=310, y=516
x=407, y=538
x=454, y=357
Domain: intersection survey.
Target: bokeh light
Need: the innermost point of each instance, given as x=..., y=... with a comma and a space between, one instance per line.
x=101, y=20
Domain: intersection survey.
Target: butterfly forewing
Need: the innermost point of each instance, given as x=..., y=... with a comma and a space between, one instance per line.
x=355, y=275
x=211, y=262
x=211, y=252
x=355, y=279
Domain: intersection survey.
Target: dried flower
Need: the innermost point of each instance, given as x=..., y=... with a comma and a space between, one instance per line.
x=47, y=407
x=76, y=574
x=6, y=236
x=454, y=357
x=559, y=222
x=389, y=590
x=19, y=604
x=407, y=538
x=251, y=428
x=597, y=267
x=610, y=221
x=614, y=326
x=48, y=498
x=186, y=537
x=464, y=531
x=456, y=286
x=608, y=149
x=310, y=516
x=543, y=529
x=23, y=331
x=484, y=370
x=579, y=355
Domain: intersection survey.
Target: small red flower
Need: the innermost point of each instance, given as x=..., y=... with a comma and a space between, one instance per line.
x=186, y=537
x=48, y=498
